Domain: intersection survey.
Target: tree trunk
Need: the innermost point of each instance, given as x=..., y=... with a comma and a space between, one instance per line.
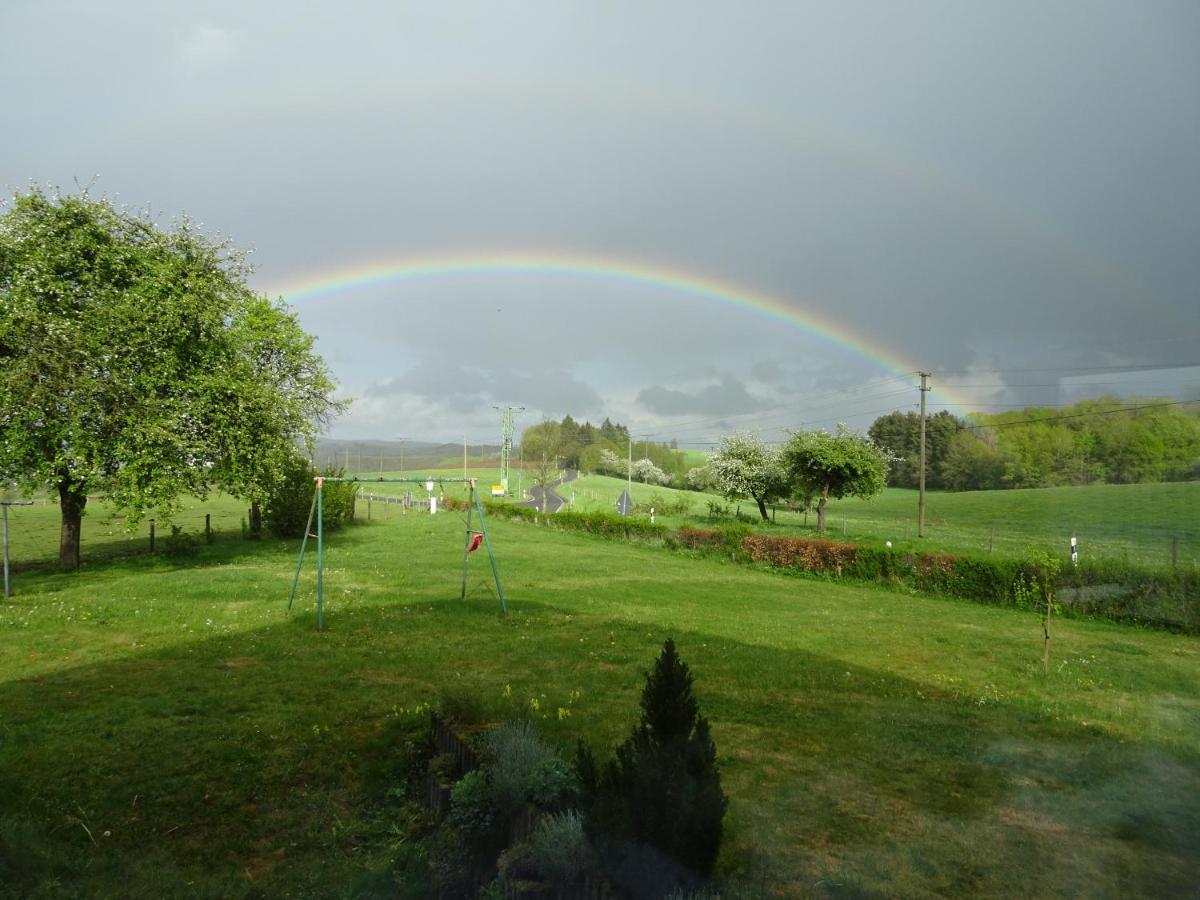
x=762, y=509
x=821, y=514
x=255, y=518
x=72, y=499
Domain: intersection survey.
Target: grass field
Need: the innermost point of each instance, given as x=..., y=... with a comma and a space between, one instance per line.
x=168, y=729
x=1138, y=521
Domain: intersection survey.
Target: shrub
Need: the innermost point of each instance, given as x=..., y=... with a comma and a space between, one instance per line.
x=523, y=768
x=664, y=789
x=786, y=553
x=472, y=811
x=718, y=510
x=559, y=849
x=287, y=507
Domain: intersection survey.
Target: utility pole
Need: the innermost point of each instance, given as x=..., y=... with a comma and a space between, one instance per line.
x=464, y=457
x=402, y=440
x=629, y=471
x=506, y=440
x=921, y=500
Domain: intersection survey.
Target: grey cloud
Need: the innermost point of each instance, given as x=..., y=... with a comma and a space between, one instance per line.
x=467, y=388
x=891, y=173
x=726, y=397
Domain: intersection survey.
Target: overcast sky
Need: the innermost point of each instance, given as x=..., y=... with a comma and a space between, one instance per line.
x=1006, y=194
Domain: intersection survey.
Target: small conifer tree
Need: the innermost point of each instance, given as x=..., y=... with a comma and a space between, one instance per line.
x=664, y=789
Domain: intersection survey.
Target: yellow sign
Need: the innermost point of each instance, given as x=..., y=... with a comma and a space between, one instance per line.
x=497, y=490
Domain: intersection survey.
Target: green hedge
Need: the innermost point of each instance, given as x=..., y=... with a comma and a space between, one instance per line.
x=286, y=510
x=1110, y=589
x=601, y=523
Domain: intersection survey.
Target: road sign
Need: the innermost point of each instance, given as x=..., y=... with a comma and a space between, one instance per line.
x=624, y=503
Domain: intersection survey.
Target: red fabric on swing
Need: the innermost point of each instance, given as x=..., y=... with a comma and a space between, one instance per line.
x=474, y=545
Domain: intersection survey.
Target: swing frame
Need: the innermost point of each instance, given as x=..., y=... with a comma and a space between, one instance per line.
x=317, y=511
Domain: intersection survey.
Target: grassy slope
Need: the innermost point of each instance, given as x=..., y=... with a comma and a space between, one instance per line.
x=1136, y=520
x=869, y=740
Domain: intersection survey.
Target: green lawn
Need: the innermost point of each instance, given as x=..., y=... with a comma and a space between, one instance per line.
x=1139, y=521
x=168, y=729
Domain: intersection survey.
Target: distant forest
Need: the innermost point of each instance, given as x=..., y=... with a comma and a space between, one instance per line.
x=1105, y=441
x=583, y=446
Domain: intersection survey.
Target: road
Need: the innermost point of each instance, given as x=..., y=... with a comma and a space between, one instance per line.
x=553, y=501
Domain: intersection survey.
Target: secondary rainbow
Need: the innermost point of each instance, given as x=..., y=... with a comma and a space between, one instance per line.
x=329, y=282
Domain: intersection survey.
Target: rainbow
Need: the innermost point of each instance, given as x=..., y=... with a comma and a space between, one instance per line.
x=707, y=288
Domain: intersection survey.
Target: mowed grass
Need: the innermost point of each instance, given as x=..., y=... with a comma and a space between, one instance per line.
x=167, y=728
x=1153, y=524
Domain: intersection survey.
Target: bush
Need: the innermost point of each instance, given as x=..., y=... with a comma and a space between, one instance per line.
x=559, y=849
x=786, y=553
x=522, y=768
x=472, y=812
x=663, y=789
x=287, y=508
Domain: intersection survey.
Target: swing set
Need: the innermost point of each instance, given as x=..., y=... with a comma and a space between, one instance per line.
x=470, y=545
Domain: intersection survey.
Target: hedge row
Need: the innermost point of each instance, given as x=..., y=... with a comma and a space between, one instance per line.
x=1111, y=589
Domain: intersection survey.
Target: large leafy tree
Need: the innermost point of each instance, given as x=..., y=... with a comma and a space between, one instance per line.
x=900, y=434
x=136, y=361
x=744, y=466
x=841, y=464
x=541, y=447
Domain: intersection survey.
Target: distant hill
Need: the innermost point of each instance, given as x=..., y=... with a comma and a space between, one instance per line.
x=368, y=456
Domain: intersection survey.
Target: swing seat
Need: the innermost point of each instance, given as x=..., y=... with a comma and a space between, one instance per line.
x=476, y=539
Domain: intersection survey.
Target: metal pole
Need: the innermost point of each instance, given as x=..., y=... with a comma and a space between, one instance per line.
x=307, y=530
x=491, y=556
x=467, y=544
x=320, y=556
x=921, y=498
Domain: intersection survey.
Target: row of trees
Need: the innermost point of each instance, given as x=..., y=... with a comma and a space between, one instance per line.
x=136, y=361
x=550, y=446
x=810, y=466
x=1095, y=441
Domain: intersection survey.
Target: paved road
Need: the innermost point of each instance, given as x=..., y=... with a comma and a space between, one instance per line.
x=553, y=501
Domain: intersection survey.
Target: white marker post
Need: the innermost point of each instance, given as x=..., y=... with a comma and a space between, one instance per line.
x=1074, y=551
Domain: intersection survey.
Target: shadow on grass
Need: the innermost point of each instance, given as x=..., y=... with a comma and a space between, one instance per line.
x=255, y=763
